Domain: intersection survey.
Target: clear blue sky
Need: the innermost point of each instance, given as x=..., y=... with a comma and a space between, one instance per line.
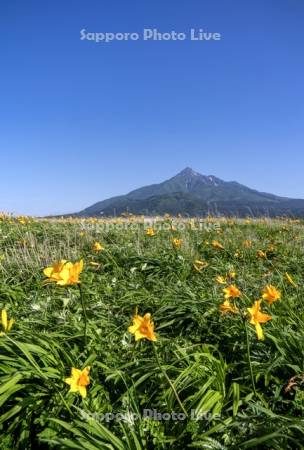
x=80, y=121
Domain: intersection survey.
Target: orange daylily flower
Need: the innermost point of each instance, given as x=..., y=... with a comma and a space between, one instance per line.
x=142, y=328
x=227, y=307
x=97, y=247
x=271, y=294
x=257, y=317
x=261, y=254
x=64, y=273
x=150, y=232
x=231, y=291
x=177, y=242
x=217, y=244
x=79, y=380
x=52, y=272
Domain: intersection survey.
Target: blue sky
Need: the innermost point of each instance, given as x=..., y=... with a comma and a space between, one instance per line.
x=81, y=121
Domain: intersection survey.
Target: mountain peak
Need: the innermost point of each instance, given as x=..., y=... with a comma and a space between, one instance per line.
x=188, y=172
x=191, y=177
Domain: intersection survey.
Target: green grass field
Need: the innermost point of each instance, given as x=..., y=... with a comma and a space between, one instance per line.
x=207, y=376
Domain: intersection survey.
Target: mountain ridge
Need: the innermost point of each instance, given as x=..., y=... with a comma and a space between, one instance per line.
x=192, y=193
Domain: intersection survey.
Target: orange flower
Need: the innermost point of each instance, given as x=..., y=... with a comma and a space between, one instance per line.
x=217, y=244
x=177, y=242
x=64, y=273
x=53, y=272
x=261, y=254
x=257, y=317
x=143, y=327
x=227, y=307
x=97, y=247
x=150, y=231
x=79, y=380
x=271, y=294
x=231, y=291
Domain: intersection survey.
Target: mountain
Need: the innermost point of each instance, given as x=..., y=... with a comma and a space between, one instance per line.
x=191, y=193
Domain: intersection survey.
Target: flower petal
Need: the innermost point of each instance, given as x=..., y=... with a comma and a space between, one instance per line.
x=259, y=331
x=82, y=391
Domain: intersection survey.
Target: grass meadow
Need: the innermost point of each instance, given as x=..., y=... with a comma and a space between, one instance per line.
x=181, y=333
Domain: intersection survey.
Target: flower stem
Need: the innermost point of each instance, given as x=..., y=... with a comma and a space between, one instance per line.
x=248, y=355
x=169, y=381
x=84, y=310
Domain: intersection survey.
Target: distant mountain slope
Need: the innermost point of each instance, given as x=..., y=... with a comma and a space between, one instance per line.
x=192, y=193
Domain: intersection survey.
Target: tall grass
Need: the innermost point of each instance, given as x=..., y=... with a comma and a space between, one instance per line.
x=200, y=354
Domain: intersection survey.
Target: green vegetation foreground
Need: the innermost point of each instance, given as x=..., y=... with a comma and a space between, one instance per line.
x=123, y=334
